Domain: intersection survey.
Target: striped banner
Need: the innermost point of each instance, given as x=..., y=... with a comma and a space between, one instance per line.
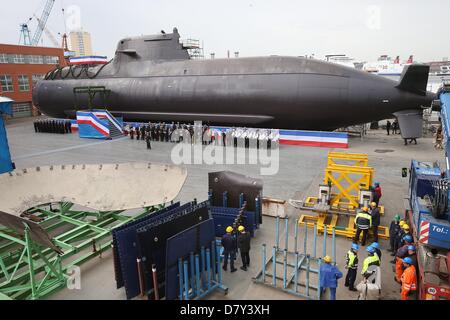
x=102, y=114
x=74, y=124
x=314, y=138
x=424, y=232
x=90, y=126
x=89, y=60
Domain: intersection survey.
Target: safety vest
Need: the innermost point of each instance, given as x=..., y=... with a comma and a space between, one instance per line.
x=370, y=260
x=352, y=260
x=409, y=279
x=363, y=220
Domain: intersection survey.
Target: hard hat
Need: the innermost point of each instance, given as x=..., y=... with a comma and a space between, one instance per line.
x=327, y=259
x=375, y=245
x=407, y=260
x=402, y=223
x=411, y=248
x=405, y=227
x=370, y=249
x=365, y=209
x=241, y=229
x=355, y=247
x=377, y=184
x=397, y=217
x=373, y=204
x=230, y=229
x=408, y=238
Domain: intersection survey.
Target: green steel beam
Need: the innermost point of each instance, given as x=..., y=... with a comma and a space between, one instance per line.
x=45, y=273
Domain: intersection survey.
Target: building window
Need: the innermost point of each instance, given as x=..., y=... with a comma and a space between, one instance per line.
x=18, y=58
x=51, y=60
x=36, y=78
x=36, y=59
x=3, y=58
x=6, y=82
x=24, y=83
x=21, y=110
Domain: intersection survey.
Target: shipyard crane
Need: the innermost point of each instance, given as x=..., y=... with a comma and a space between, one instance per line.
x=42, y=22
x=48, y=33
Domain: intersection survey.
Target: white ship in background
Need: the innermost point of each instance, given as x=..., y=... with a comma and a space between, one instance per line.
x=385, y=66
x=341, y=59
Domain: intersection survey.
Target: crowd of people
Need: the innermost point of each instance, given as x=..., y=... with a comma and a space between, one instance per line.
x=53, y=126
x=176, y=133
x=401, y=247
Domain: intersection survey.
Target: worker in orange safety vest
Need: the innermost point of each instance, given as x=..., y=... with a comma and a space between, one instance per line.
x=402, y=253
x=409, y=280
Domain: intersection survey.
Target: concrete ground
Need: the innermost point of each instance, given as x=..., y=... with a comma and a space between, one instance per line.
x=300, y=171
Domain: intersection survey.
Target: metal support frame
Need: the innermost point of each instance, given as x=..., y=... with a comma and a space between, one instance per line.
x=329, y=222
x=205, y=276
x=31, y=271
x=300, y=271
x=348, y=195
x=349, y=174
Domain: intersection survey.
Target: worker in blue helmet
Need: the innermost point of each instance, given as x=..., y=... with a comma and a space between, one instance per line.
x=376, y=246
x=412, y=255
x=371, y=260
x=402, y=253
x=352, y=267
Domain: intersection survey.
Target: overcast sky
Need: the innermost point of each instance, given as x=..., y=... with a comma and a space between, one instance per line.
x=363, y=29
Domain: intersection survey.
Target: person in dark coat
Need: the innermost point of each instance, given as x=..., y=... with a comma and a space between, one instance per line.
x=393, y=230
x=244, y=239
x=388, y=127
x=375, y=213
x=376, y=193
x=395, y=127
x=148, y=141
x=229, y=249
x=138, y=133
x=143, y=133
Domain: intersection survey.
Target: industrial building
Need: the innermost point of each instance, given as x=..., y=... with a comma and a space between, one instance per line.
x=20, y=69
x=80, y=43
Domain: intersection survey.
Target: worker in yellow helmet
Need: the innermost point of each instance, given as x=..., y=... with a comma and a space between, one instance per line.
x=375, y=213
x=229, y=249
x=244, y=239
x=329, y=276
x=363, y=223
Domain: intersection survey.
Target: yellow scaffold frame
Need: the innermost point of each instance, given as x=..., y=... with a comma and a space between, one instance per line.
x=354, y=170
x=349, y=231
x=358, y=159
x=334, y=174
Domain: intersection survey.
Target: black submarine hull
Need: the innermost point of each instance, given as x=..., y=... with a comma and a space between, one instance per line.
x=272, y=92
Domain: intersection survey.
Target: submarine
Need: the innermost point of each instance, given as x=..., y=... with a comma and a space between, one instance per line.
x=153, y=78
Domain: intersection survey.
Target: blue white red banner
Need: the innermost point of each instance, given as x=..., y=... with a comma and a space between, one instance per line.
x=89, y=60
x=314, y=138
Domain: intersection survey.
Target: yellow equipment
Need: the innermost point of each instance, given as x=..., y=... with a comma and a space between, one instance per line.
x=348, y=178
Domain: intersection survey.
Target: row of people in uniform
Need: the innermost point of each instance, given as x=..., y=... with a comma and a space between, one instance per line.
x=53, y=126
x=163, y=132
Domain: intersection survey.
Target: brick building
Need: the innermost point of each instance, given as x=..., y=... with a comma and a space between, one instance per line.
x=20, y=68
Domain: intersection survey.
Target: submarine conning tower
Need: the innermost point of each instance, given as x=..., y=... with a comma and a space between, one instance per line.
x=160, y=47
